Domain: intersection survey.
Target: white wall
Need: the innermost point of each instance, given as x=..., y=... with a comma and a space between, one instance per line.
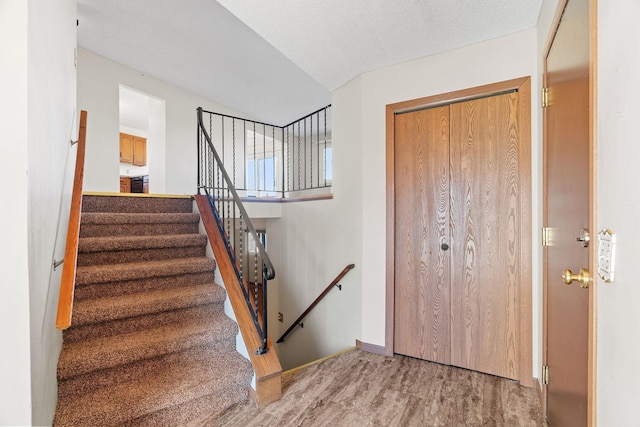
x=37, y=40
x=52, y=124
x=99, y=80
x=312, y=242
x=15, y=371
x=618, y=194
x=491, y=61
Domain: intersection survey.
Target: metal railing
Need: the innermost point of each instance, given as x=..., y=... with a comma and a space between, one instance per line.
x=244, y=246
x=276, y=161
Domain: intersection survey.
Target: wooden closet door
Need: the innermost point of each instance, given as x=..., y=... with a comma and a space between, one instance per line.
x=422, y=303
x=485, y=227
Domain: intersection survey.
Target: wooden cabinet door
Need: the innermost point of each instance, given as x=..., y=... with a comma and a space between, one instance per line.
x=485, y=217
x=125, y=184
x=126, y=148
x=139, y=151
x=422, y=228
x=133, y=149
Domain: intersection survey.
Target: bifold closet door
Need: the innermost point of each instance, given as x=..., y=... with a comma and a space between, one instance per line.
x=422, y=272
x=485, y=233
x=457, y=234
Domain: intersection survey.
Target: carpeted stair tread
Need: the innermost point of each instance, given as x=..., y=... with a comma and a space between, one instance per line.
x=109, y=218
x=134, y=286
x=139, y=270
x=214, y=403
x=135, y=371
x=197, y=375
x=138, y=229
x=123, y=306
x=100, y=353
x=127, y=243
x=136, y=204
x=138, y=323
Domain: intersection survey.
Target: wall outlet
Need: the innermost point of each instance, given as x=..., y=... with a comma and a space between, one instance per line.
x=280, y=317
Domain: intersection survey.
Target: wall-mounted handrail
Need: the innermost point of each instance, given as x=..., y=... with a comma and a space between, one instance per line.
x=68, y=281
x=236, y=229
x=317, y=300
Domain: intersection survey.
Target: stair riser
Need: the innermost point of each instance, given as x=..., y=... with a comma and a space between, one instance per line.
x=149, y=229
x=136, y=204
x=139, y=255
x=87, y=383
x=140, y=323
x=128, y=287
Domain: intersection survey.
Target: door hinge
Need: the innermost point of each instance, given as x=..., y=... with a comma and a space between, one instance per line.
x=545, y=374
x=545, y=97
x=545, y=236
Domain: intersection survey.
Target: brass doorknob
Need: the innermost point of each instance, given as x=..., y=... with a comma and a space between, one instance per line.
x=583, y=277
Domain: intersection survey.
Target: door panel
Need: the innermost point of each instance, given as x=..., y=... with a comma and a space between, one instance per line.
x=567, y=211
x=485, y=208
x=422, y=224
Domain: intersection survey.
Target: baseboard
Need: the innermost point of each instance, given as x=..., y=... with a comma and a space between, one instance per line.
x=315, y=362
x=371, y=348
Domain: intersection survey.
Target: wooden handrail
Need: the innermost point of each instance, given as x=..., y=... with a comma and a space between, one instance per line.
x=68, y=281
x=317, y=300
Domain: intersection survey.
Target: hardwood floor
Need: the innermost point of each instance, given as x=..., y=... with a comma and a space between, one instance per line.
x=365, y=389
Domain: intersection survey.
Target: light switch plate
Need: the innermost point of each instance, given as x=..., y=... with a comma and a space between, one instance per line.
x=606, y=255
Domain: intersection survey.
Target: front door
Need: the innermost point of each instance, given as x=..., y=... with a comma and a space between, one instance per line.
x=567, y=216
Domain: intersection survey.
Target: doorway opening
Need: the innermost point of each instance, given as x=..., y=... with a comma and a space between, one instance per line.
x=142, y=142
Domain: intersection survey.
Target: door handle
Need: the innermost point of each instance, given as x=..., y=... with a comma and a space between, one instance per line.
x=583, y=277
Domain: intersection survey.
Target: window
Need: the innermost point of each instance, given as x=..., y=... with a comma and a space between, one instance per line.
x=262, y=235
x=328, y=166
x=261, y=176
x=262, y=167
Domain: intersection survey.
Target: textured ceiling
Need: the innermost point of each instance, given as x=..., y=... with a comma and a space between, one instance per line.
x=282, y=64
x=336, y=40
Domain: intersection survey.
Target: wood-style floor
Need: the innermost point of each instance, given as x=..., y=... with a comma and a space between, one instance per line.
x=364, y=389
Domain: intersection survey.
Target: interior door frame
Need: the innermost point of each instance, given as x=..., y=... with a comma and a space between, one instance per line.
x=523, y=86
x=593, y=116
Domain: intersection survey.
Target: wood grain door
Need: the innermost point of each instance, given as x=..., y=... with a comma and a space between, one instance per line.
x=485, y=236
x=567, y=212
x=457, y=234
x=422, y=271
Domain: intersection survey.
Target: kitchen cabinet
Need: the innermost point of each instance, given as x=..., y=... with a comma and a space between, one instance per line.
x=133, y=149
x=125, y=184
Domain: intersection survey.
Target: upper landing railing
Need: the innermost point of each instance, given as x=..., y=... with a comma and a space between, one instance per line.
x=266, y=160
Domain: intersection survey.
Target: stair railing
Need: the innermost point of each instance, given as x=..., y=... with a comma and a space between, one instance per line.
x=334, y=283
x=68, y=280
x=246, y=250
x=274, y=161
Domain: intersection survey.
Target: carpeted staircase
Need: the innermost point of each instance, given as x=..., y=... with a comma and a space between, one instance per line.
x=149, y=342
